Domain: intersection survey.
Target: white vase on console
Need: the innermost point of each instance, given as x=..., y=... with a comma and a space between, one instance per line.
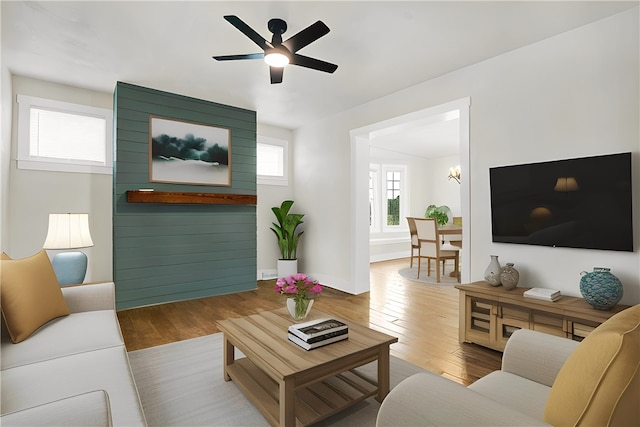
x=492, y=273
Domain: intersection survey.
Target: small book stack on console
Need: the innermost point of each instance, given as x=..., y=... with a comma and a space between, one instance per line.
x=543, y=294
x=316, y=333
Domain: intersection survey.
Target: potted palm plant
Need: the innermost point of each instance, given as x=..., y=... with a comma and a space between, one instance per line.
x=285, y=231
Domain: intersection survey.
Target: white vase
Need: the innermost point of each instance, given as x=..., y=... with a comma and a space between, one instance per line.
x=287, y=267
x=299, y=309
x=492, y=273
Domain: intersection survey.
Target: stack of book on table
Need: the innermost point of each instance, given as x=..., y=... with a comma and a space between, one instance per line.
x=317, y=333
x=543, y=294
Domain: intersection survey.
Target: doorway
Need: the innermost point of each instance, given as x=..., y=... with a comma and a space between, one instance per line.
x=360, y=158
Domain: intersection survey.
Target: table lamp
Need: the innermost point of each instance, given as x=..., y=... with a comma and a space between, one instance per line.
x=69, y=231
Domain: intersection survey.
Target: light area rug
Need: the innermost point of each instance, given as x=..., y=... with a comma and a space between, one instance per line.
x=181, y=384
x=412, y=274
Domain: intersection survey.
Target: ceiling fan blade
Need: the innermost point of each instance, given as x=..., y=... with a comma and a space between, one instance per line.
x=316, y=64
x=310, y=34
x=234, y=57
x=276, y=74
x=247, y=30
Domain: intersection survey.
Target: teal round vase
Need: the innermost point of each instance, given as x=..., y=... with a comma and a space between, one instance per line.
x=600, y=288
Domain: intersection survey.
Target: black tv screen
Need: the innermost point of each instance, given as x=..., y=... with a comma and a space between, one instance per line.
x=574, y=203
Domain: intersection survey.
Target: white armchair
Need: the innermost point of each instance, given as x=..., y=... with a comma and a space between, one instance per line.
x=544, y=380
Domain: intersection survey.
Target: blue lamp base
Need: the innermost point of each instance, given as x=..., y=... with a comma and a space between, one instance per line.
x=70, y=267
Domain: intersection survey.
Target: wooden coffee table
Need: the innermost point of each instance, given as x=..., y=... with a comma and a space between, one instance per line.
x=290, y=385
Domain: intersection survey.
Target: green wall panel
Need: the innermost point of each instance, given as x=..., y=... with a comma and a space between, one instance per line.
x=172, y=252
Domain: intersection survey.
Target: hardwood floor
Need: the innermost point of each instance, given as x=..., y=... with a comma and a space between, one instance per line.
x=423, y=317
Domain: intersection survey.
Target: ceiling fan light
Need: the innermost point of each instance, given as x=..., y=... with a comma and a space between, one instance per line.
x=276, y=59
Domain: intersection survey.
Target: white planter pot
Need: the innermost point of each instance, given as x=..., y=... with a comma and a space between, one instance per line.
x=287, y=267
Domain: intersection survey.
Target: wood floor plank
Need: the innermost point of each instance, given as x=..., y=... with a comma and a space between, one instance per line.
x=423, y=317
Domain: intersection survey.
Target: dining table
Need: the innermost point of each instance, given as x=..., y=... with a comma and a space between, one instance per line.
x=448, y=229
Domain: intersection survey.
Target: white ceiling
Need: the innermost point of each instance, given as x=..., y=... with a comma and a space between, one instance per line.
x=430, y=137
x=380, y=47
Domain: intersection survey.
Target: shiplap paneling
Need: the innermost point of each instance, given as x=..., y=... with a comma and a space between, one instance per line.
x=166, y=252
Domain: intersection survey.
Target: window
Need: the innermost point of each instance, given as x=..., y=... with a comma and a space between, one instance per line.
x=388, y=202
x=272, y=161
x=59, y=136
x=393, y=198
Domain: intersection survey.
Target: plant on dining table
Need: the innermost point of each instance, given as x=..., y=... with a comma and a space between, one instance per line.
x=301, y=288
x=439, y=213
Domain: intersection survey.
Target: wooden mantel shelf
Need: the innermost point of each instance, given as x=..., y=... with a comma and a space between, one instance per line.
x=175, y=197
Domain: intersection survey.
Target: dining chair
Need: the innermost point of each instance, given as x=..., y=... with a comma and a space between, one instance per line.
x=429, y=247
x=456, y=239
x=414, y=238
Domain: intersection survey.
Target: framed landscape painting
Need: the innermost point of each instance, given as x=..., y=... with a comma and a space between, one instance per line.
x=182, y=152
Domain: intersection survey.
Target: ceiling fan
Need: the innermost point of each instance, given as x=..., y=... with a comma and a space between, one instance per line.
x=277, y=53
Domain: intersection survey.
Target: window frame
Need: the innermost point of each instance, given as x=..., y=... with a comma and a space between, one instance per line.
x=26, y=161
x=404, y=195
x=274, y=180
x=380, y=197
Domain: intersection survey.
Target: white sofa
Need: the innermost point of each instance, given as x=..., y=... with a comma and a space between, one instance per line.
x=74, y=370
x=544, y=380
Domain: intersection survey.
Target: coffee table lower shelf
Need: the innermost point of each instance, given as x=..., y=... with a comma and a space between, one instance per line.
x=313, y=403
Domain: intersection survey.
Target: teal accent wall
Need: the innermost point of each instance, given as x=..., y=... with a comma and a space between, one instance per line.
x=173, y=252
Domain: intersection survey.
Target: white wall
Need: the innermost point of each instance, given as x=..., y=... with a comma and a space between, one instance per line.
x=269, y=196
x=32, y=195
x=572, y=95
x=420, y=174
x=442, y=190
x=6, y=96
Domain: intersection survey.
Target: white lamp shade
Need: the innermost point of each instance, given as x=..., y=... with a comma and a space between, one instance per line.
x=67, y=231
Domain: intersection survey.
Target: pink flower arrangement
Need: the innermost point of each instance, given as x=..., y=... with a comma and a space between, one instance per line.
x=298, y=286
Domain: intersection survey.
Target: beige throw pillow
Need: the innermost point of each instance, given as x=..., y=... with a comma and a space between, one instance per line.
x=30, y=295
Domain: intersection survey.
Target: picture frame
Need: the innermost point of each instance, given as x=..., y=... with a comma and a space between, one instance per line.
x=185, y=152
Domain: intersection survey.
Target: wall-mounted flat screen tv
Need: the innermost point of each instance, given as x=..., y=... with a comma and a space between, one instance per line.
x=573, y=203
